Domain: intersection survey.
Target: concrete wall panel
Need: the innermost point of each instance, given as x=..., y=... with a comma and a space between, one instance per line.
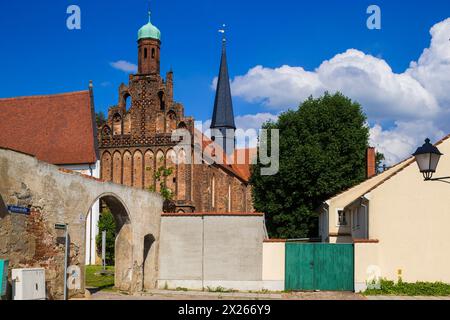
x=201, y=251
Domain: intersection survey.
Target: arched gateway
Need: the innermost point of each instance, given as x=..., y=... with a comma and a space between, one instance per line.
x=57, y=196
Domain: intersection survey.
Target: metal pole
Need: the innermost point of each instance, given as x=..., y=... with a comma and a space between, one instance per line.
x=104, y=250
x=66, y=251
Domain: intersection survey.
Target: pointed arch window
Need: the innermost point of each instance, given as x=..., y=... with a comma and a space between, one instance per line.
x=162, y=103
x=117, y=124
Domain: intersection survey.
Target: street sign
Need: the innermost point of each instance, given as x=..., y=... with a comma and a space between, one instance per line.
x=17, y=209
x=60, y=226
x=104, y=249
x=3, y=277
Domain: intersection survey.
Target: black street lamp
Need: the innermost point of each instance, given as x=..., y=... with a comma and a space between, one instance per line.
x=427, y=158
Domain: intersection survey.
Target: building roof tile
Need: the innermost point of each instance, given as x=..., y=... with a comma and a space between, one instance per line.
x=57, y=129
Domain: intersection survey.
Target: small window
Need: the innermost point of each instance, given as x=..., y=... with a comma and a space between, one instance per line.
x=342, y=218
x=145, y=53
x=153, y=53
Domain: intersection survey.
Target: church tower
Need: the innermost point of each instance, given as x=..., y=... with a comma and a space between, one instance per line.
x=149, y=45
x=222, y=125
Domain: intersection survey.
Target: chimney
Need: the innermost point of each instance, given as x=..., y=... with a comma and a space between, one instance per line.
x=370, y=162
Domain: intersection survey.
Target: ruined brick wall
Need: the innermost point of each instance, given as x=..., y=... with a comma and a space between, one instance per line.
x=56, y=196
x=28, y=242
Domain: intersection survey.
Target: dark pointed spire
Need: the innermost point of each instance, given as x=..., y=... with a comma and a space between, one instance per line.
x=223, y=115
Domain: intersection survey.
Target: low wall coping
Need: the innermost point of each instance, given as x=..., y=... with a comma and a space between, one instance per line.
x=275, y=240
x=366, y=241
x=203, y=214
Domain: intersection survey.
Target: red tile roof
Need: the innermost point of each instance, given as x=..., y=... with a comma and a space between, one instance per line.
x=239, y=163
x=58, y=129
x=244, y=168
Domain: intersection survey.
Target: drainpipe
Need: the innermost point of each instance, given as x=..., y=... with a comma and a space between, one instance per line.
x=203, y=253
x=91, y=172
x=66, y=259
x=366, y=214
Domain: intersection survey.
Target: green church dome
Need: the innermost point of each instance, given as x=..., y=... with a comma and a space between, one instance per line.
x=149, y=31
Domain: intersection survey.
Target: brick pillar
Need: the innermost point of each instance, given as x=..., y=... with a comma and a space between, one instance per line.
x=370, y=162
x=169, y=89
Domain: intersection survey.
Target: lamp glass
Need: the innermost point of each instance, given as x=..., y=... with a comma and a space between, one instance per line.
x=434, y=160
x=423, y=161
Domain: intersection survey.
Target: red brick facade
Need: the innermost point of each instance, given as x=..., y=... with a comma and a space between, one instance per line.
x=135, y=142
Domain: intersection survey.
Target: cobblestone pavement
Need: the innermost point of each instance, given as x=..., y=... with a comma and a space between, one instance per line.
x=198, y=295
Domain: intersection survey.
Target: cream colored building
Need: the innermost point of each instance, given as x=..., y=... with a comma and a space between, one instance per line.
x=399, y=223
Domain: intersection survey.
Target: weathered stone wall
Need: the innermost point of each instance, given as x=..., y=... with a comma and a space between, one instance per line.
x=211, y=250
x=54, y=197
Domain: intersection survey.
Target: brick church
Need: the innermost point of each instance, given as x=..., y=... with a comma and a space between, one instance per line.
x=137, y=141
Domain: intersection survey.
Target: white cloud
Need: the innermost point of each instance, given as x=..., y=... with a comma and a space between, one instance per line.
x=278, y=88
x=254, y=121
x=249, y=125
x=364, y=78
x=247, y=128
x=124, y=66
x=401, y=141
x=433, y=67
x=417, y=100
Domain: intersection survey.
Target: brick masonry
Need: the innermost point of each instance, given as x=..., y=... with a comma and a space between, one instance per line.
x=133, y=141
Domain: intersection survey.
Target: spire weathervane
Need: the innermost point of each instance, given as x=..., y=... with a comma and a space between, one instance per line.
x=222, y=31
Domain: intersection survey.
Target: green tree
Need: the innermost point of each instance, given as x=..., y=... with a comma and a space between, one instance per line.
x=322, y=152
x=379, y=162
x=161, y=175
x=108, y=224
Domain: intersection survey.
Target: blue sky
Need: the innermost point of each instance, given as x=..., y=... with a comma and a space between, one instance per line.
x=41, y=56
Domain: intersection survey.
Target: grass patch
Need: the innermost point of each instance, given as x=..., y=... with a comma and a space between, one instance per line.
x=410, y=289
x=219, y=289
x=96, y=280
x=181, y=289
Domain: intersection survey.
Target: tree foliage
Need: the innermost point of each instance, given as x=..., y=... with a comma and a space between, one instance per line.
x=379, y=162
x=108, y=224
x=322, y=152
x=161, y=175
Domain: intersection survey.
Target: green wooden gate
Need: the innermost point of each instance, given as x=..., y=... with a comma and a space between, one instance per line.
x=319, y=266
